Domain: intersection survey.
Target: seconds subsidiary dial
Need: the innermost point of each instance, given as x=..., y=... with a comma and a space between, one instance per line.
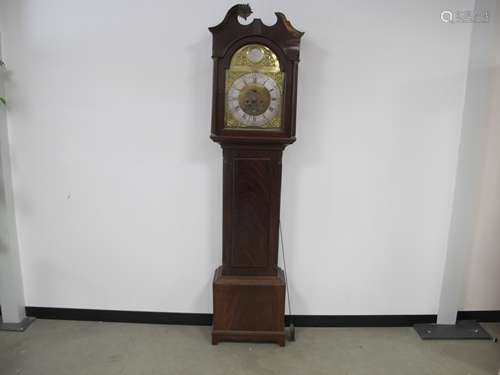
x=254, y=99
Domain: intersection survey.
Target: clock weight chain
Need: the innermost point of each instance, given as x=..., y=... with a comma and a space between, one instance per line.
x=291, y=327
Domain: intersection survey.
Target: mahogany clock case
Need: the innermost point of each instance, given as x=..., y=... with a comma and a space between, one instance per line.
x=249, y=288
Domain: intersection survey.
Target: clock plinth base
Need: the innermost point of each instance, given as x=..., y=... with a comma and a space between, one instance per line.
x=249, y=336
x=249, y=308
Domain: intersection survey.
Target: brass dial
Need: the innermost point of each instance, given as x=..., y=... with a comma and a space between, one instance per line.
x=254, y=84
x=254, y=99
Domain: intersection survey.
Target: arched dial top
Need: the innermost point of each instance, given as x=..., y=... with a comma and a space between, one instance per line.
x=254, y=87
x=255, y=57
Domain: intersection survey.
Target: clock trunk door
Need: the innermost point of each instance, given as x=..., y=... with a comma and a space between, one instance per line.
x=252, y=184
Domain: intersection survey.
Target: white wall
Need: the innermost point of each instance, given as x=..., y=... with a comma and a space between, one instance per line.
x=482, y=287
x=470, y=160
x=118, y=187
x=11, y=285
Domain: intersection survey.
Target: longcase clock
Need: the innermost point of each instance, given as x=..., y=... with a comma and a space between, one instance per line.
x=253, y=119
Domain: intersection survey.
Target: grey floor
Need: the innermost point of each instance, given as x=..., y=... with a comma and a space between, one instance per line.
x=54, y=347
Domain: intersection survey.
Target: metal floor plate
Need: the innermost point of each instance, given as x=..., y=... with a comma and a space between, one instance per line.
x=16, y=327
x=463, y=330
